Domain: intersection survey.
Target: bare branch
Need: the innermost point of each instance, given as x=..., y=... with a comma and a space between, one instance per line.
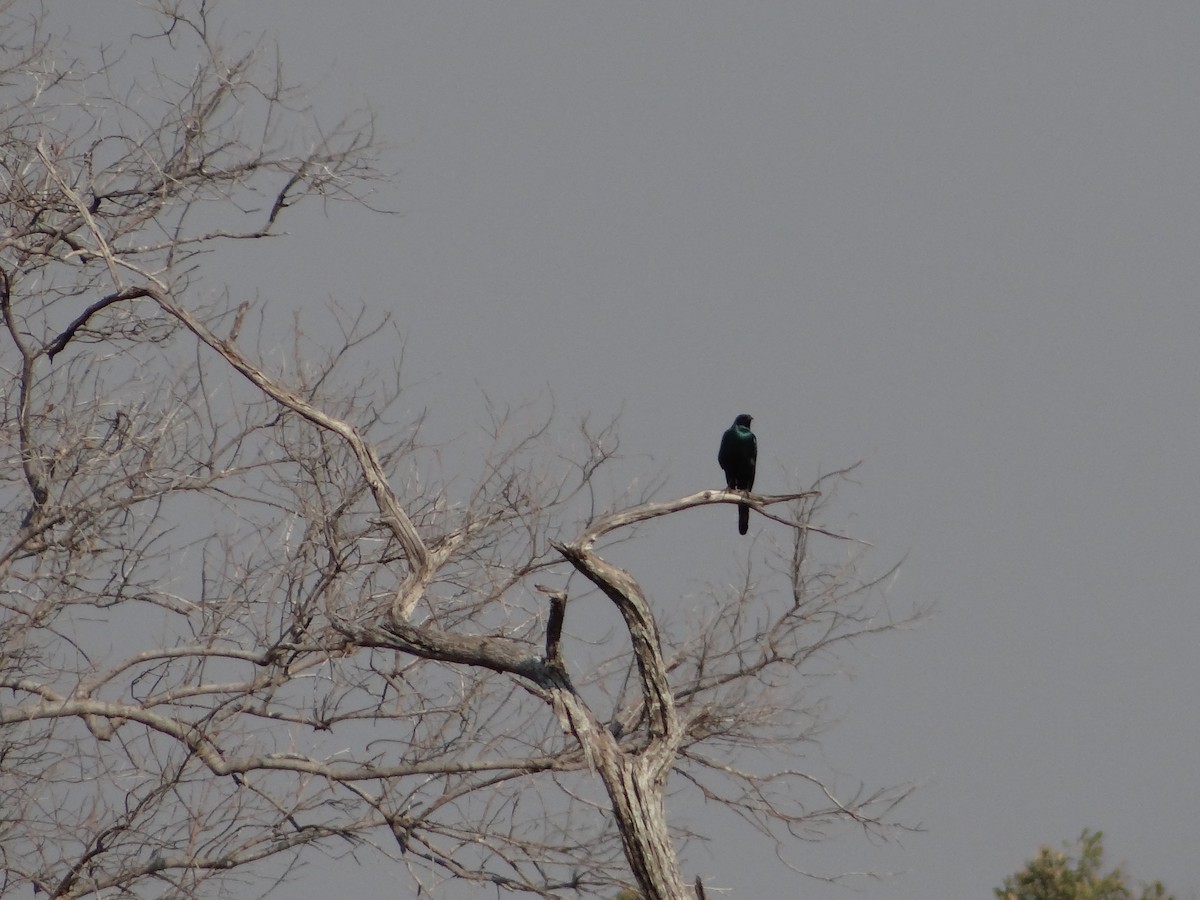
x=626, y=518
x=59, y=343
x=554, y=625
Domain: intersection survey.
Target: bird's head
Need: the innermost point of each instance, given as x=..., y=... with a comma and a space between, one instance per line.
x=743, y=420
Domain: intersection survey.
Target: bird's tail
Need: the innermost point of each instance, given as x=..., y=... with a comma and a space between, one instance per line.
x=743, y=518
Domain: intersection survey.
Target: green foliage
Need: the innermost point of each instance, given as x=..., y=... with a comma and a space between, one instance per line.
x=1055, y=875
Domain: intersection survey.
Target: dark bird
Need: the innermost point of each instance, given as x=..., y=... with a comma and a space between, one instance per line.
x=738, y=456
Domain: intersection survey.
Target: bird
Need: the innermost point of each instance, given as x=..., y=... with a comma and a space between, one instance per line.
x=738, y=456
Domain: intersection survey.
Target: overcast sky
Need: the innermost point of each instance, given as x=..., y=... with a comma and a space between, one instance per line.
x=957, y=240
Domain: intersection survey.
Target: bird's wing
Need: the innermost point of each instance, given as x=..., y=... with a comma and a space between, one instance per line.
x=727, y=455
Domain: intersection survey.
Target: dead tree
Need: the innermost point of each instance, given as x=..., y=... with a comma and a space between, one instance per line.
x=245, y=619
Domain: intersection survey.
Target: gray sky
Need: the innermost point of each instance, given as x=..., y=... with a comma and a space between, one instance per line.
x=959, y=240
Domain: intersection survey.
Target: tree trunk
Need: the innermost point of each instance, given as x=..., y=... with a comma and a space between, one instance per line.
x=636, y=784
x=641, y=814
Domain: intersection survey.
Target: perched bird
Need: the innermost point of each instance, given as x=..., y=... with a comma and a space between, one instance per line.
x=738, y=456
